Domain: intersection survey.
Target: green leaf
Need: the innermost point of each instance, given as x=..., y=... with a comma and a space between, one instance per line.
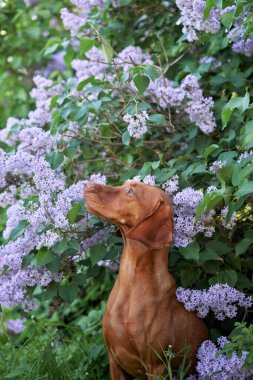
x=53, y=101
x=86, y=44
x=245, y=172
x=18, y=230
x=55, y=159
x=74, y=244
x=227, y=276
x=209, y=255
x=218, y=247
x=242, y=246
x=201, y=207
x=207, y=10
x=244, y=102
x=126, y=138
x=73, y=213
x=157, y=119
x=209, y=5
x=141, y=82
x=51, y=49
x=211, y=267
x=191, y=252
x=225, y=174
x=210, y=149
x=213, y=202
x=60, y=246
x=68, y=292
x=151, y=71
x=80, y=279
x=225, y=115
x=155, y=164
x=108, y=52
x=16, y=372
x=245, y=188
x=97, y=253
x=44, y=256
x=81, y=112
x=235, y=175
x=145, y=169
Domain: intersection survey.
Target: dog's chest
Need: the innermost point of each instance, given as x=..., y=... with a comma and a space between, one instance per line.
x=133, y=328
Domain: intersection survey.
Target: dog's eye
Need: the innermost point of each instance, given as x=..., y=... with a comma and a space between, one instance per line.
x=130, y=191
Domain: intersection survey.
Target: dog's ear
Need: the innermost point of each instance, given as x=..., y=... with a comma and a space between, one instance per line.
x=155, y=230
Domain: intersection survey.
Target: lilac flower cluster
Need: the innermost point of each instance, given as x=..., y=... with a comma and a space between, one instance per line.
x=15, y=326
x=99, y=178
x=192, y=18
x=231, y=224
x=95, y=65
x=237, y=35
x=211, y=189
x=198, y=107
x=221, y=299
x=42, y=93
x=73, y=22
x=148, y=179
x=218, y=367
x=56, y=63
x=187, y=96
x=244, y=155
x=132, y=56
x=9, y=134
x=171, y=186
x=35, y=141
x=97, y=238
x=185, y=226
x=213, y=62
x=137, y=126
x=217, y=165
x=46, y=218
x=165, y=94
x=8, y=197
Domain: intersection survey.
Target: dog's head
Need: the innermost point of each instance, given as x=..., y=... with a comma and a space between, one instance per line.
x=142, y=212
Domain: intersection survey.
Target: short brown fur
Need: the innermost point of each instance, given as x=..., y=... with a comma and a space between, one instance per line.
x=143, y=315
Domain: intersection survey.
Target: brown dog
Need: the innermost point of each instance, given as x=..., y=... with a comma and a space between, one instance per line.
x=143, y=316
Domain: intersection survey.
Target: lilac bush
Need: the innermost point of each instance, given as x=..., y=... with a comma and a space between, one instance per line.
x=122, y=91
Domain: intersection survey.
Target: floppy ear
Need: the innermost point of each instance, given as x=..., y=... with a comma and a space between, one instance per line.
x=156, y=229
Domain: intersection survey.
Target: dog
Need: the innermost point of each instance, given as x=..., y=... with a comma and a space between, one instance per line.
x=143, y=317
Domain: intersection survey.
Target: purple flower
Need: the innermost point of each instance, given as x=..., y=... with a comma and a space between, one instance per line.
x=231, y=224
x=165, y=94
x=198, y=107
x=16, y=326
x=217, y=165
x=237, y=36
x=95, y=65
x=192, y=18
x=213, y=62
x=185, y=226
x=244, y=155
x=137, y=126
x=222, y=299
x=131, y=56
x=220, y=367
x=73, y=22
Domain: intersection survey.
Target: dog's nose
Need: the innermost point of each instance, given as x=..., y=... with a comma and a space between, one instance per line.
x=90, y=187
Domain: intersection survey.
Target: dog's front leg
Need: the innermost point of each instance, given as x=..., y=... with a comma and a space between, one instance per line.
x=117, y=373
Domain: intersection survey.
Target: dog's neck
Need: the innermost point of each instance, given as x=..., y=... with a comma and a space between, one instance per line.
x=142, y=264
